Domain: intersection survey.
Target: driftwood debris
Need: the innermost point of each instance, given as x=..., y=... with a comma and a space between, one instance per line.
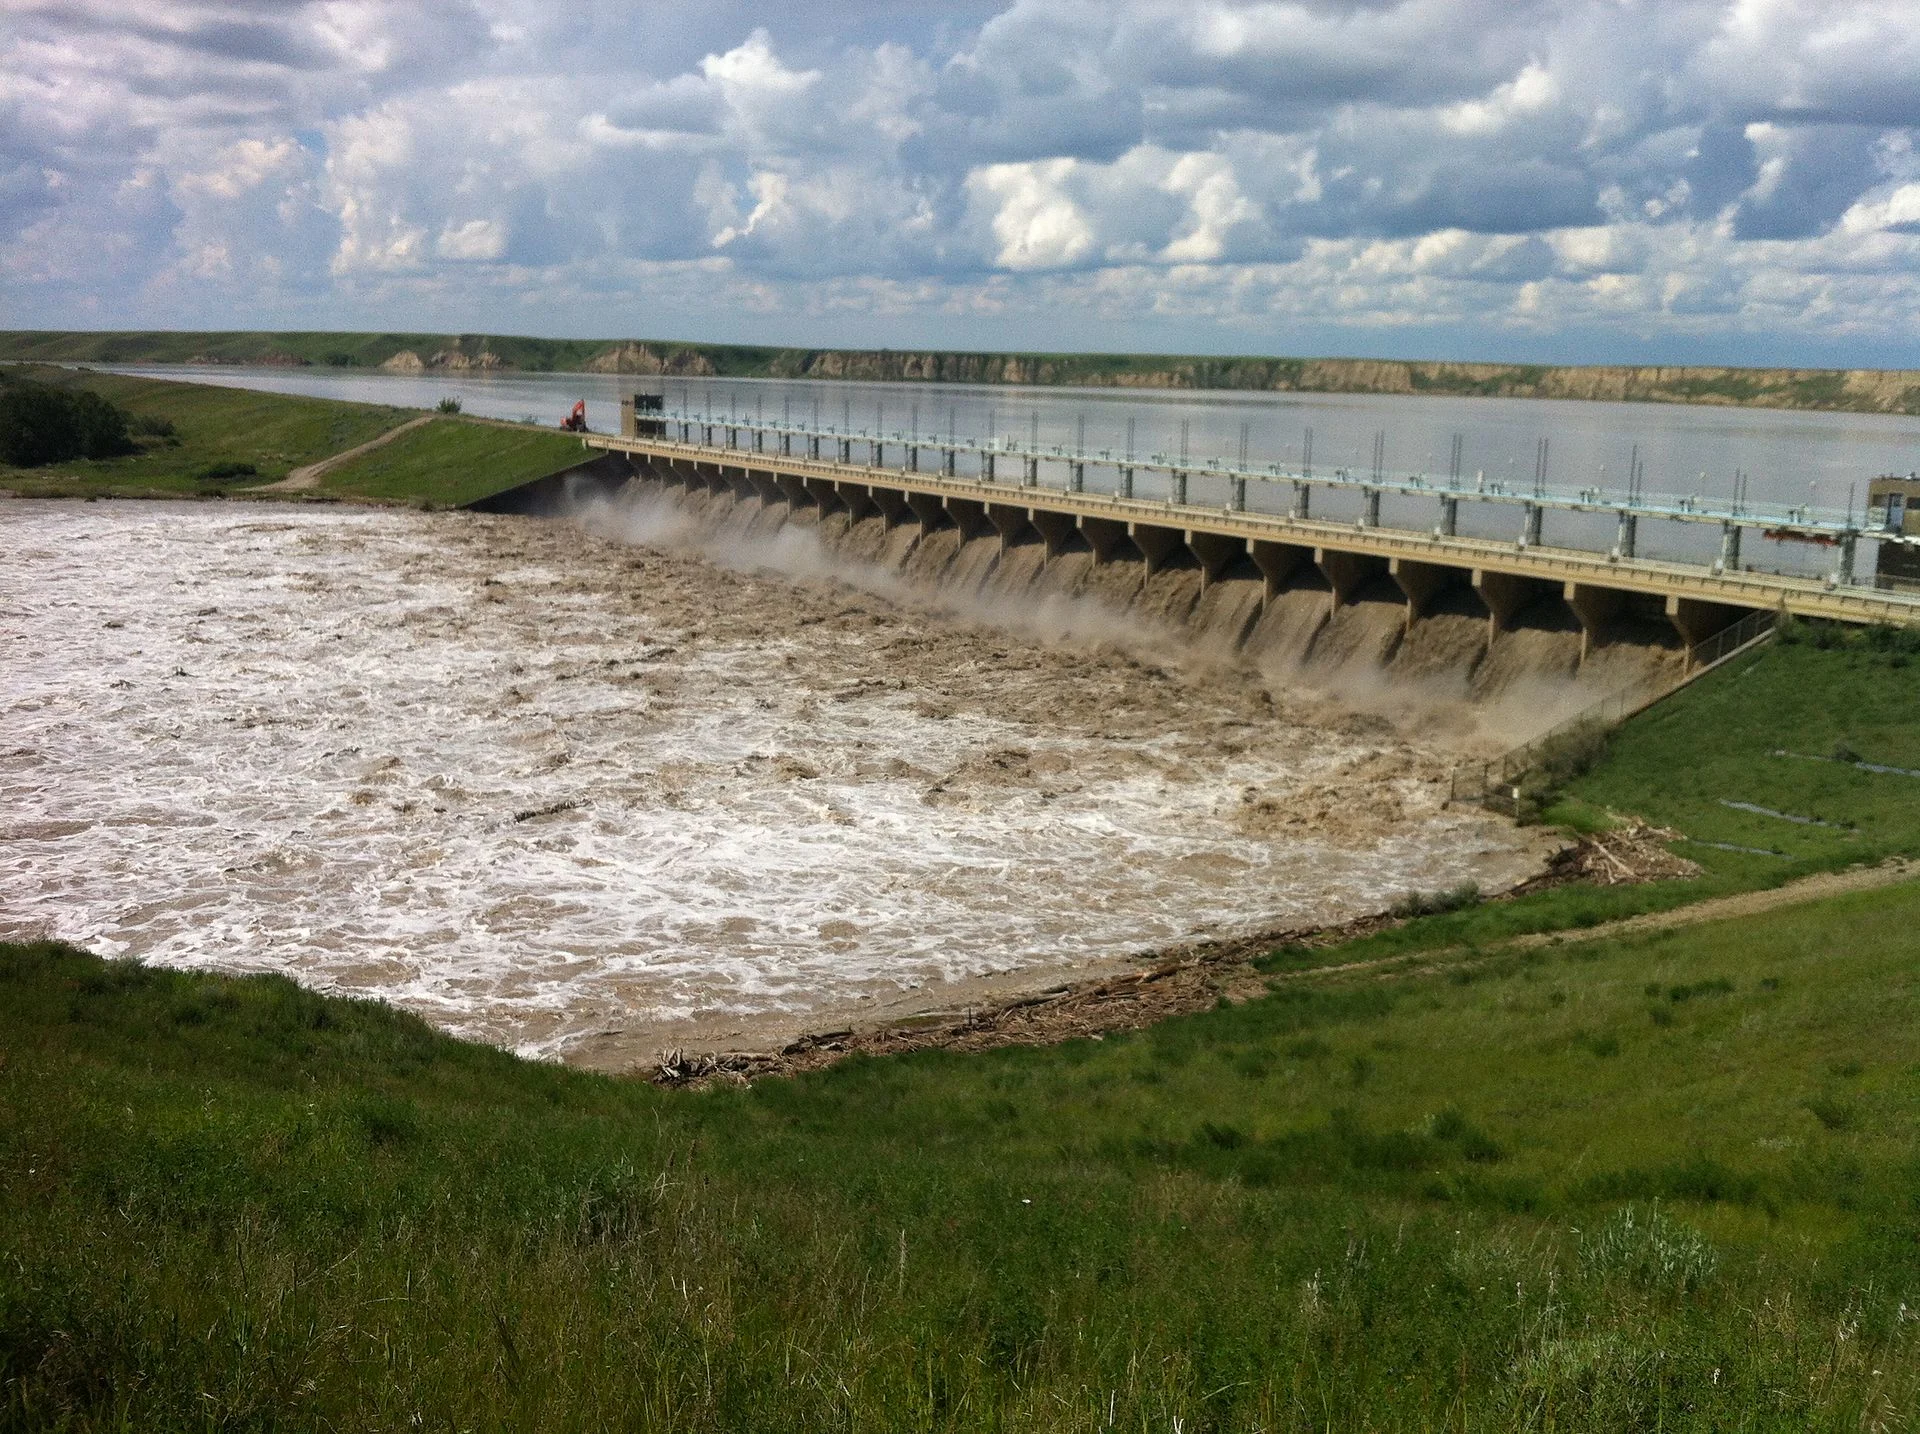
x=1170, y=983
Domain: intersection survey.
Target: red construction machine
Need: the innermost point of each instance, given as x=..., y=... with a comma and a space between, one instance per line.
x=576, y=422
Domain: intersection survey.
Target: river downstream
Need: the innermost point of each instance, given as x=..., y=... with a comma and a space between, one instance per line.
x=591, y=799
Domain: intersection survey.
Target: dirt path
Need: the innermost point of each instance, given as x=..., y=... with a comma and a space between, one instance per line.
x=1745, y=903
x=1193, y=978
x=303, y=480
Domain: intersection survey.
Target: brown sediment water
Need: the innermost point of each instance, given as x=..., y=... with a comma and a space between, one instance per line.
x=972, y=564
x=1286, y=631
x=1227, y=611
x=1365, y=631
x=1541, y=645
x=1447, y=674
x=1447, y=643
x=588, y=791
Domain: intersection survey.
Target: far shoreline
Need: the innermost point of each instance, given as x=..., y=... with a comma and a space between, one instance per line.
x=1827, y=390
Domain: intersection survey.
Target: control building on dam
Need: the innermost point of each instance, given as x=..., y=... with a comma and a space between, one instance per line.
x=1283, y=585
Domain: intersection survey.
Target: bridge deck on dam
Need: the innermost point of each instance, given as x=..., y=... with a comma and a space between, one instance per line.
x=1425, y=572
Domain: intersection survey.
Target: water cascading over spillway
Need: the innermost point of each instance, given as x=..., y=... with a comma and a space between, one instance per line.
x=1340, y=616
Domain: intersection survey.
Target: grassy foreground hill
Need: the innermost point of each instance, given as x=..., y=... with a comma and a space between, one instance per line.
x=1852, y=390
x=1659, y=1180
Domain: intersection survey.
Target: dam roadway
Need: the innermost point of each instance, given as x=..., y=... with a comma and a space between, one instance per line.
x=1607, y=594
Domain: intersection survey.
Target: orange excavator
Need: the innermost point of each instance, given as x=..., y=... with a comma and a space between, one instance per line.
x=576, y=422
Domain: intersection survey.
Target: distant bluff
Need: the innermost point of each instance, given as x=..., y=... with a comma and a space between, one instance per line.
x=1847, y=390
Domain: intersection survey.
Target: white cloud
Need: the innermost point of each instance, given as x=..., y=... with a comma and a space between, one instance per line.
x=1035, y=223
x=1243, y=168
x=476, y=239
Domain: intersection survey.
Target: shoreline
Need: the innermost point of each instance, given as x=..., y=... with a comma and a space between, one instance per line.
x=1039, y=1008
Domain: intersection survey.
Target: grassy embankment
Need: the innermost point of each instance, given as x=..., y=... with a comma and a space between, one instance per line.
x=221, y=433
x=1857, y=390
x=452, y=461
x=1657, y=1182
x=1763, y=732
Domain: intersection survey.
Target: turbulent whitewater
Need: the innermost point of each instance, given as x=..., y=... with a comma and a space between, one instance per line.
x=588, y=796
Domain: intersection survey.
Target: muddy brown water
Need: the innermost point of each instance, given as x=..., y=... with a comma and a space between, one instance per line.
x=669, y=778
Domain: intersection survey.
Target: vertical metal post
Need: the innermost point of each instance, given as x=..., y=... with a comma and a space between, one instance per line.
x=953, y=438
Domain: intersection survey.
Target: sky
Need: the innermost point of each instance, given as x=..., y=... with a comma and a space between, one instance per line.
x=1725, y=181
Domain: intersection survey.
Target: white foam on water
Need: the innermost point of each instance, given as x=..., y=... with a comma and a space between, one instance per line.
x=488, y=770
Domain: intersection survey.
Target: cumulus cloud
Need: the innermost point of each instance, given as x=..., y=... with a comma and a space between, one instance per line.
x=1418, y=175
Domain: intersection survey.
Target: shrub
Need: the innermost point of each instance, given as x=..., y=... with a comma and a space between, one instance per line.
x=151, y=425
x=223, y=472
x=1718, y=986
x=39, y=424
x=1650, y=1251
x=449, y=405
x=1833, y=1114
x=1436, y=903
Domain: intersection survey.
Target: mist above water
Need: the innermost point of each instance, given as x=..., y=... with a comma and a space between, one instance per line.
x=541, y=786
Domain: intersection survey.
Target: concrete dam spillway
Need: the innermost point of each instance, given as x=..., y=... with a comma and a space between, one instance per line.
x=1517, y=624
x=1350, y=619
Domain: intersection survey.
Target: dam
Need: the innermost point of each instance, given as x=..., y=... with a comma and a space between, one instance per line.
x=1206, y=550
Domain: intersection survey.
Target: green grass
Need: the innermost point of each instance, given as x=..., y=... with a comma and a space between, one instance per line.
x=1822, y=691
x=216, y=427
x=221, y=432
x=1661, y=1183
x=452, y=461
x=1721, y=739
